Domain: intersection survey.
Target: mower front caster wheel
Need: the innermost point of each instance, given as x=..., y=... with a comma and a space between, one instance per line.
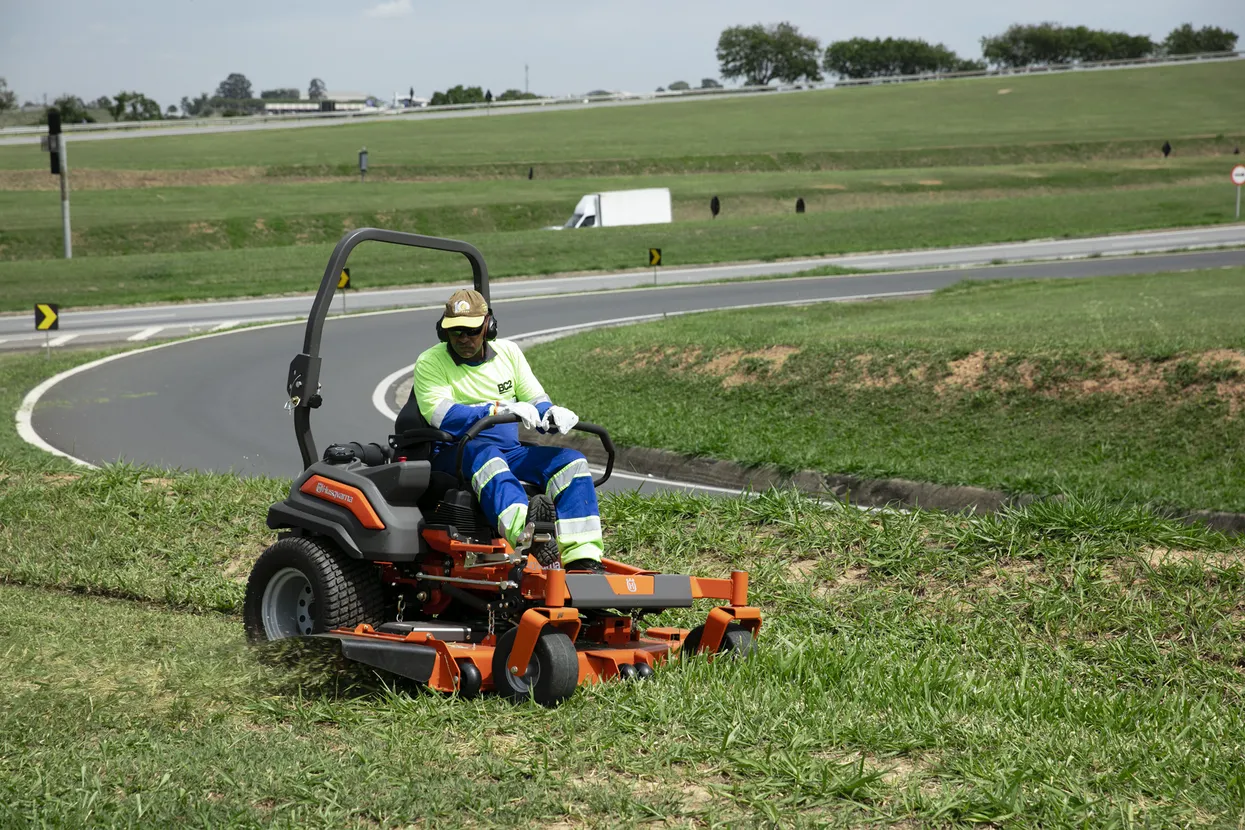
x=736, y=642
x=469, y=679
x=551, y=676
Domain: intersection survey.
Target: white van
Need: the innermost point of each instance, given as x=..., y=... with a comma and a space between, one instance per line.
x=622, y=207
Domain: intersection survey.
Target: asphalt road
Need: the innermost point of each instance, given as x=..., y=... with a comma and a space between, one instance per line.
x=217, y=403
x=94, y=327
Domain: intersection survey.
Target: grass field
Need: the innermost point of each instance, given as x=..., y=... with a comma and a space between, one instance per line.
x=244, y=214
x=1151, y=104
x=1129, y=387
x=1071, y=663
x=210, y=267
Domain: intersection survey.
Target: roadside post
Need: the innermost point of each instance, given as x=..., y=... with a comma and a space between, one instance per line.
x=47, y=318
x=343, y=282
x=363, y=164
x=1238, y=179
x=654, y=260
x=54, y=144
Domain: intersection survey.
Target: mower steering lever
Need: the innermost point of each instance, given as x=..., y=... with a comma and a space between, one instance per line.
x=493, y=420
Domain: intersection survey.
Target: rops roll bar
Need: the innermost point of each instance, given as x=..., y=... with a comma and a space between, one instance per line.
x=303, y=382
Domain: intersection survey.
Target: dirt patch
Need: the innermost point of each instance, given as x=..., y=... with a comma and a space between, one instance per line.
x=201, y=229
x=735, y=367
x=1157, y=557
x=130, y=179
x=965, y=373
x=60, y=478
x=830, y=187
x=1005, y=91
x=930, y=182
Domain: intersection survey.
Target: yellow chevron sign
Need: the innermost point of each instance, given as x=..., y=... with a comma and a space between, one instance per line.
x=47, y=317
x=344, y=280
x=654, y=256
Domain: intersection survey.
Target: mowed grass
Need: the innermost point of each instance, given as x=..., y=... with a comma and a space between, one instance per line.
x=211, y=267
x=1130, y=387
x=1070, y=663
x=1153, y=104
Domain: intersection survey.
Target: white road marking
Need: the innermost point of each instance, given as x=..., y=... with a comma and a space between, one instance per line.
x=228, y=324
x=146, y=334
x=62, y=340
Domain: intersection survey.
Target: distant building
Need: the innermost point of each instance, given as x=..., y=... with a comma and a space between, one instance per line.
x=338, y=101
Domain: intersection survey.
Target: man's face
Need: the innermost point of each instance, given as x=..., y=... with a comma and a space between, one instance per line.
x=467, y=343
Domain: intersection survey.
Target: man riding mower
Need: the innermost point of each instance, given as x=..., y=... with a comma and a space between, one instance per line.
x=456, y=555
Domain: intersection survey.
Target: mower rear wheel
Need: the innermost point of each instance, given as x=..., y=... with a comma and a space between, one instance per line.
x=737, y=642
x=302, y=586
x=552, y=674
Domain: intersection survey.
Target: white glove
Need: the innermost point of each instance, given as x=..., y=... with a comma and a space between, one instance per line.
x=527, y=412
x=559, y=419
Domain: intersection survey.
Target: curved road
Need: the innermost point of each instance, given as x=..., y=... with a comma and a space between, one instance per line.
x=217, y=403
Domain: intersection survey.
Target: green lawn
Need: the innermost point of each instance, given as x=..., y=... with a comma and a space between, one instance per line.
x=1074, y=662
x=1132, y=387
x=1150, y=104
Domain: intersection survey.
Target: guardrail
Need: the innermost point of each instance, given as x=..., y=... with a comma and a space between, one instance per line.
x=539, y=103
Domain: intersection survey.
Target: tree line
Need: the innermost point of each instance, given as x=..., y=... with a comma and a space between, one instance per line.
x=759, y=54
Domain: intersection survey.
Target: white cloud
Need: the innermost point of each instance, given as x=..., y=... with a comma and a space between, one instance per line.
x=393, y=8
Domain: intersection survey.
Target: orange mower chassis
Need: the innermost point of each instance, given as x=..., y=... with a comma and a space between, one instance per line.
x=603, y=648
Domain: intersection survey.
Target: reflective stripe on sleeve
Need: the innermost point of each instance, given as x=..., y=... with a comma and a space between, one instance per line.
x=440, y=411
x=486, y=472
x=540, y=399
x=586, y=529
x=560, y=480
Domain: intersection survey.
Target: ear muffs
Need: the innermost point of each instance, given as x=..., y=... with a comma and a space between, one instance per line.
x=490, y=333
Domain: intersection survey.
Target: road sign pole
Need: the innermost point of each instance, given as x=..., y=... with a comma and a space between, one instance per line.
x=47, y=342
x=1238, y=179
x=64, y=152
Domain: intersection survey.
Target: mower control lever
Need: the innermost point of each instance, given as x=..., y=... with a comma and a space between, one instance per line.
x=493, y=420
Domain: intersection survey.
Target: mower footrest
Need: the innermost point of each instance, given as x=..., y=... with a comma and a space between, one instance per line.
x=446, y=632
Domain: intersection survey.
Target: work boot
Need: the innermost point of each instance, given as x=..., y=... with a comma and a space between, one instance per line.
x=590, y=565
x=540, y=510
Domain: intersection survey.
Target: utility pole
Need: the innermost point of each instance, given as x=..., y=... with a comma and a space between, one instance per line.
x=525, y=89
x=58, y=149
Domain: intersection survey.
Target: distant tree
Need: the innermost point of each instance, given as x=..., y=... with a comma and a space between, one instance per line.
x=200, y=107
x=8, y=98
x=72, y=110
x=760, y=54
x=661, y=89
x=235, y=88
x=517, y=95
x=285, y=93
x=103, y=102
x=134, y=106
x=679, y=86
x=709, y=83
x=488, y=97
x=1185, y=40
x=877, y=58
x=459, y=95
x=171, y=111
x=317, y=90
x=1045, y=43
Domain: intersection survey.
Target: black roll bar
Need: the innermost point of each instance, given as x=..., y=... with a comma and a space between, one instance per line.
x=303, y=382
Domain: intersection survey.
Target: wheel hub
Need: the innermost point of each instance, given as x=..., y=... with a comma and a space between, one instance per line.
x=288, y=607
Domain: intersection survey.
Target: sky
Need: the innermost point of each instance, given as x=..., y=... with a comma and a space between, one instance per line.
x=167, y=49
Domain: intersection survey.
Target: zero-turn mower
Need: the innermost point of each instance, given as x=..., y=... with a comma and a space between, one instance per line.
x=397, y=564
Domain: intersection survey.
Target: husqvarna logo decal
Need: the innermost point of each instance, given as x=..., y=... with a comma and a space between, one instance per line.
x=323, y=490
x=631, y=585
x=351, y=498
